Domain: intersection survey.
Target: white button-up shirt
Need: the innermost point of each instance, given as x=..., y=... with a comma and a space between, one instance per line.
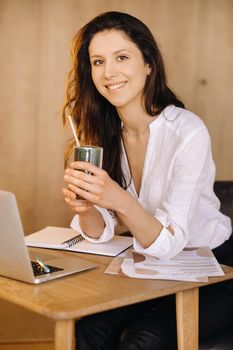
x=176, y=187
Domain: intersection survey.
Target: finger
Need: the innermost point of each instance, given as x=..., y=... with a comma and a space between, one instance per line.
x=79, y=210
x=79, y=203
x=78, y=178
x=68, y=193
x=71, y=199
x=84, y=194
x=85, y=187
x=86, y=167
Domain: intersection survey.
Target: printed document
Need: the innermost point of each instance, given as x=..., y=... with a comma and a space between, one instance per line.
x=192, y=264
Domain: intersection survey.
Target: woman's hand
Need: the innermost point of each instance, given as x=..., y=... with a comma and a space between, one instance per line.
x=89, y=218
x=93, y=184
x=96, y=187
x=78, y=206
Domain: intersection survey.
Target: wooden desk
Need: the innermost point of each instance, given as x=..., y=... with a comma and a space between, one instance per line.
x=70, y=298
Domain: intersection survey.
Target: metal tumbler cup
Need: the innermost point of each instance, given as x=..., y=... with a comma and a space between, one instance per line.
x=91, y=154
x=88, y=153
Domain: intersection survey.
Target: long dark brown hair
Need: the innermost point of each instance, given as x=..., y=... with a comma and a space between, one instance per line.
x=96, y=119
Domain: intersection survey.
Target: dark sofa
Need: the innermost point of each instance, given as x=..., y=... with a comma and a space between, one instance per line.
x=224, y=341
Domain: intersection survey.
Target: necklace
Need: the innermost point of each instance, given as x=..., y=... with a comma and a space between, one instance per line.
x=134, y=135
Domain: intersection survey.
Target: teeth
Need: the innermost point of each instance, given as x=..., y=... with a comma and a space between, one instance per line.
x=116, y=86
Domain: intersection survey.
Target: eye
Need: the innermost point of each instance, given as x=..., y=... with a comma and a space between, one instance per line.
x=122, y=58
x=97, y=62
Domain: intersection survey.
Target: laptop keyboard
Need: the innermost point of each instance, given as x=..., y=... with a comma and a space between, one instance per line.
x=38, y=270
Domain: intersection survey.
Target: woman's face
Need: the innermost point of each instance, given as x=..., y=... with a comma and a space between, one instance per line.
x=118, y=68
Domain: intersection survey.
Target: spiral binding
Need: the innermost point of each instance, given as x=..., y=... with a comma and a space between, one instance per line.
x=72, y=241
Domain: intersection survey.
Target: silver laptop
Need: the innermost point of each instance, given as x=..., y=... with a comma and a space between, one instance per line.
x=30, y=265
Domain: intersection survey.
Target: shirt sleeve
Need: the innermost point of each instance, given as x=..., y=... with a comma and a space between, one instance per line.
x=108, y=231
x=193, y=169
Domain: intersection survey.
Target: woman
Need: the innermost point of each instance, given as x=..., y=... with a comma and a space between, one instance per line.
x=157, y=177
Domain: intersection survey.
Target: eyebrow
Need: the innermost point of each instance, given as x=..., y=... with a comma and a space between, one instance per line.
x=115, y=52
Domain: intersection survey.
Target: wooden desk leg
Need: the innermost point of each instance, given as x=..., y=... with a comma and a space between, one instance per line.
x=187, y=319
x=64, y=335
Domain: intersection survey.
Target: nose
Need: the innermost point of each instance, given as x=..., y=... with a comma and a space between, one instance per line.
x=110, y=69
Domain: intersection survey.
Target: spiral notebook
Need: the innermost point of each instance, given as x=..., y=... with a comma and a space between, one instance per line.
x=69, y=239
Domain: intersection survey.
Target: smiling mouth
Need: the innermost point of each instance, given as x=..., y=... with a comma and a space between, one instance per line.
x=116, y=86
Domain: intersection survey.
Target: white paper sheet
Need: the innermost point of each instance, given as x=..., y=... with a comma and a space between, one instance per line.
x=193, y=264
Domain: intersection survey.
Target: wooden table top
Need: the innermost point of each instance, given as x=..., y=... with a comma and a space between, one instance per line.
x=91, y=291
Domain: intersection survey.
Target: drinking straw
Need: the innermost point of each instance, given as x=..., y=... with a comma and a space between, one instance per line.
x=73, y=129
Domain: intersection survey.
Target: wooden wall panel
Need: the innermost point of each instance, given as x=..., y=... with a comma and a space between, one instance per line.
x=174, y=25
x=18, y=100
x=213, y=79
x=195, y=39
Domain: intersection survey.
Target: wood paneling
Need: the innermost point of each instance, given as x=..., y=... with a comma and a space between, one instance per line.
x=195, y=39
x=213, y=79
x=28, y=346
x=19, y=325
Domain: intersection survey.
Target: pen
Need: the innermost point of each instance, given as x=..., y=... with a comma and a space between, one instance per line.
x=45, y=267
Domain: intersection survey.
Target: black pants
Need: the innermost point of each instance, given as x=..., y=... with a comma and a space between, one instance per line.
x=151, y=325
